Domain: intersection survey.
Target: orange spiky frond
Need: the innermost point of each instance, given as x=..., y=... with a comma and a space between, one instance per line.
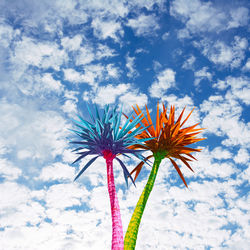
x=168, y=136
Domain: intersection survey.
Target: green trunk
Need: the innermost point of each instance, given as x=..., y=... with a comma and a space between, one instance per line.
x=132, y=231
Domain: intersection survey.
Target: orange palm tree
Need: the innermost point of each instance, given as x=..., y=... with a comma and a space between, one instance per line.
x=169, y=140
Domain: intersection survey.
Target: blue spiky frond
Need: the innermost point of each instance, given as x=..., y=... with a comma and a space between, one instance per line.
x=104, y=133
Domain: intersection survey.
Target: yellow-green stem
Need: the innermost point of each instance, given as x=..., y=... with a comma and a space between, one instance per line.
x=133, y=227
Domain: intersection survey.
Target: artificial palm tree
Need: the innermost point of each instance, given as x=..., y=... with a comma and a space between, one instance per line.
x=169, y=140
x=104, y=137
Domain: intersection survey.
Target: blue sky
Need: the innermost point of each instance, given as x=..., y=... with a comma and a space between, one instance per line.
x=56, y=56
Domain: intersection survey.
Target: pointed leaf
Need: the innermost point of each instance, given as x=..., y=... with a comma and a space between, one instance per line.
x=125, y=169
x=86, y=166
x=82, y=156
x=179, y=171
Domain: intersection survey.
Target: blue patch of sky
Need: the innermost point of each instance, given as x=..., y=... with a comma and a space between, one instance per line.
x=83, y=207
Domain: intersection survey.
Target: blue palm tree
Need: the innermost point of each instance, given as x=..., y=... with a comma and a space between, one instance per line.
x=105, y=137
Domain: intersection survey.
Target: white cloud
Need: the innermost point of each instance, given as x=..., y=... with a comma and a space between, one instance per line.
x=141, y=50
x=189, y=63
x=222, y=117
x=183, y=33
x=15, y=208
x=60, y=196
x=130, y=64
x=85, y=55
x=221, y=54
x=39, y=54
x=107, y=29
x=92, y=74
x=116, y=9
x=247, y=65
x=156, y=66
x=6, y=34
x=103, y=51
x=8, y=171
x=36, y=51
x=42, y=133
x=113, y=71
x=24, y=154
x=73, y=43
x=72, y=75
x=242, y=156
x=239, y=17
x=144, y=25
x=70, y=107
x=201, y=75
x=239, y=88
x=32, y=84
x=133, y=97
x=57, y=171
x=221, y=153
x=165, y=36
x=126, y=94
x=148, y=4
x=109, y=93
x=201, y=16
x=165, y=80
x=220, y=84
x=51, y=84
x=179, y=102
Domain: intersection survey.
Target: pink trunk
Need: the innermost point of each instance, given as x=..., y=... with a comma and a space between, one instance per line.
x=117, y=233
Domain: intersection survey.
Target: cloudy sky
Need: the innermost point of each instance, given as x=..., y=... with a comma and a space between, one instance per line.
x=56, y=56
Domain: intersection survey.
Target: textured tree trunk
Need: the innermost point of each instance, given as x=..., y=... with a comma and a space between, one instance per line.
x=132, y=231
x=117, y=232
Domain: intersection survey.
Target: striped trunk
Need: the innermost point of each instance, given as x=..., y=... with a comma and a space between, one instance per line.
x=117, y=232
x=132, y=231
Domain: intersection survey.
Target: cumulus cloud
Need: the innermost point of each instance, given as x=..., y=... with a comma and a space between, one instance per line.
x=42, y=54
x=72, y=75
x=189, y=63
x=130, y=64
x=113, y=71
x=133, y=97
x=73, y=43
x=144, y=25
x=221, y=153
x=85, y=55
x=223, y=119
x=165, y=80
x=32, y=84
x=247, y=65
x=8, y=171
x=201, y=16
x=239, y=17
x=103, y=51
x=32, y=133
x=222, y=54
x=165, y=36
x=104, y=29
x=57, y=171
x=6, y=34
x=202, y=75
x=239, y=88
x=242, y=156
x=92, y=74
x=108, y=94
